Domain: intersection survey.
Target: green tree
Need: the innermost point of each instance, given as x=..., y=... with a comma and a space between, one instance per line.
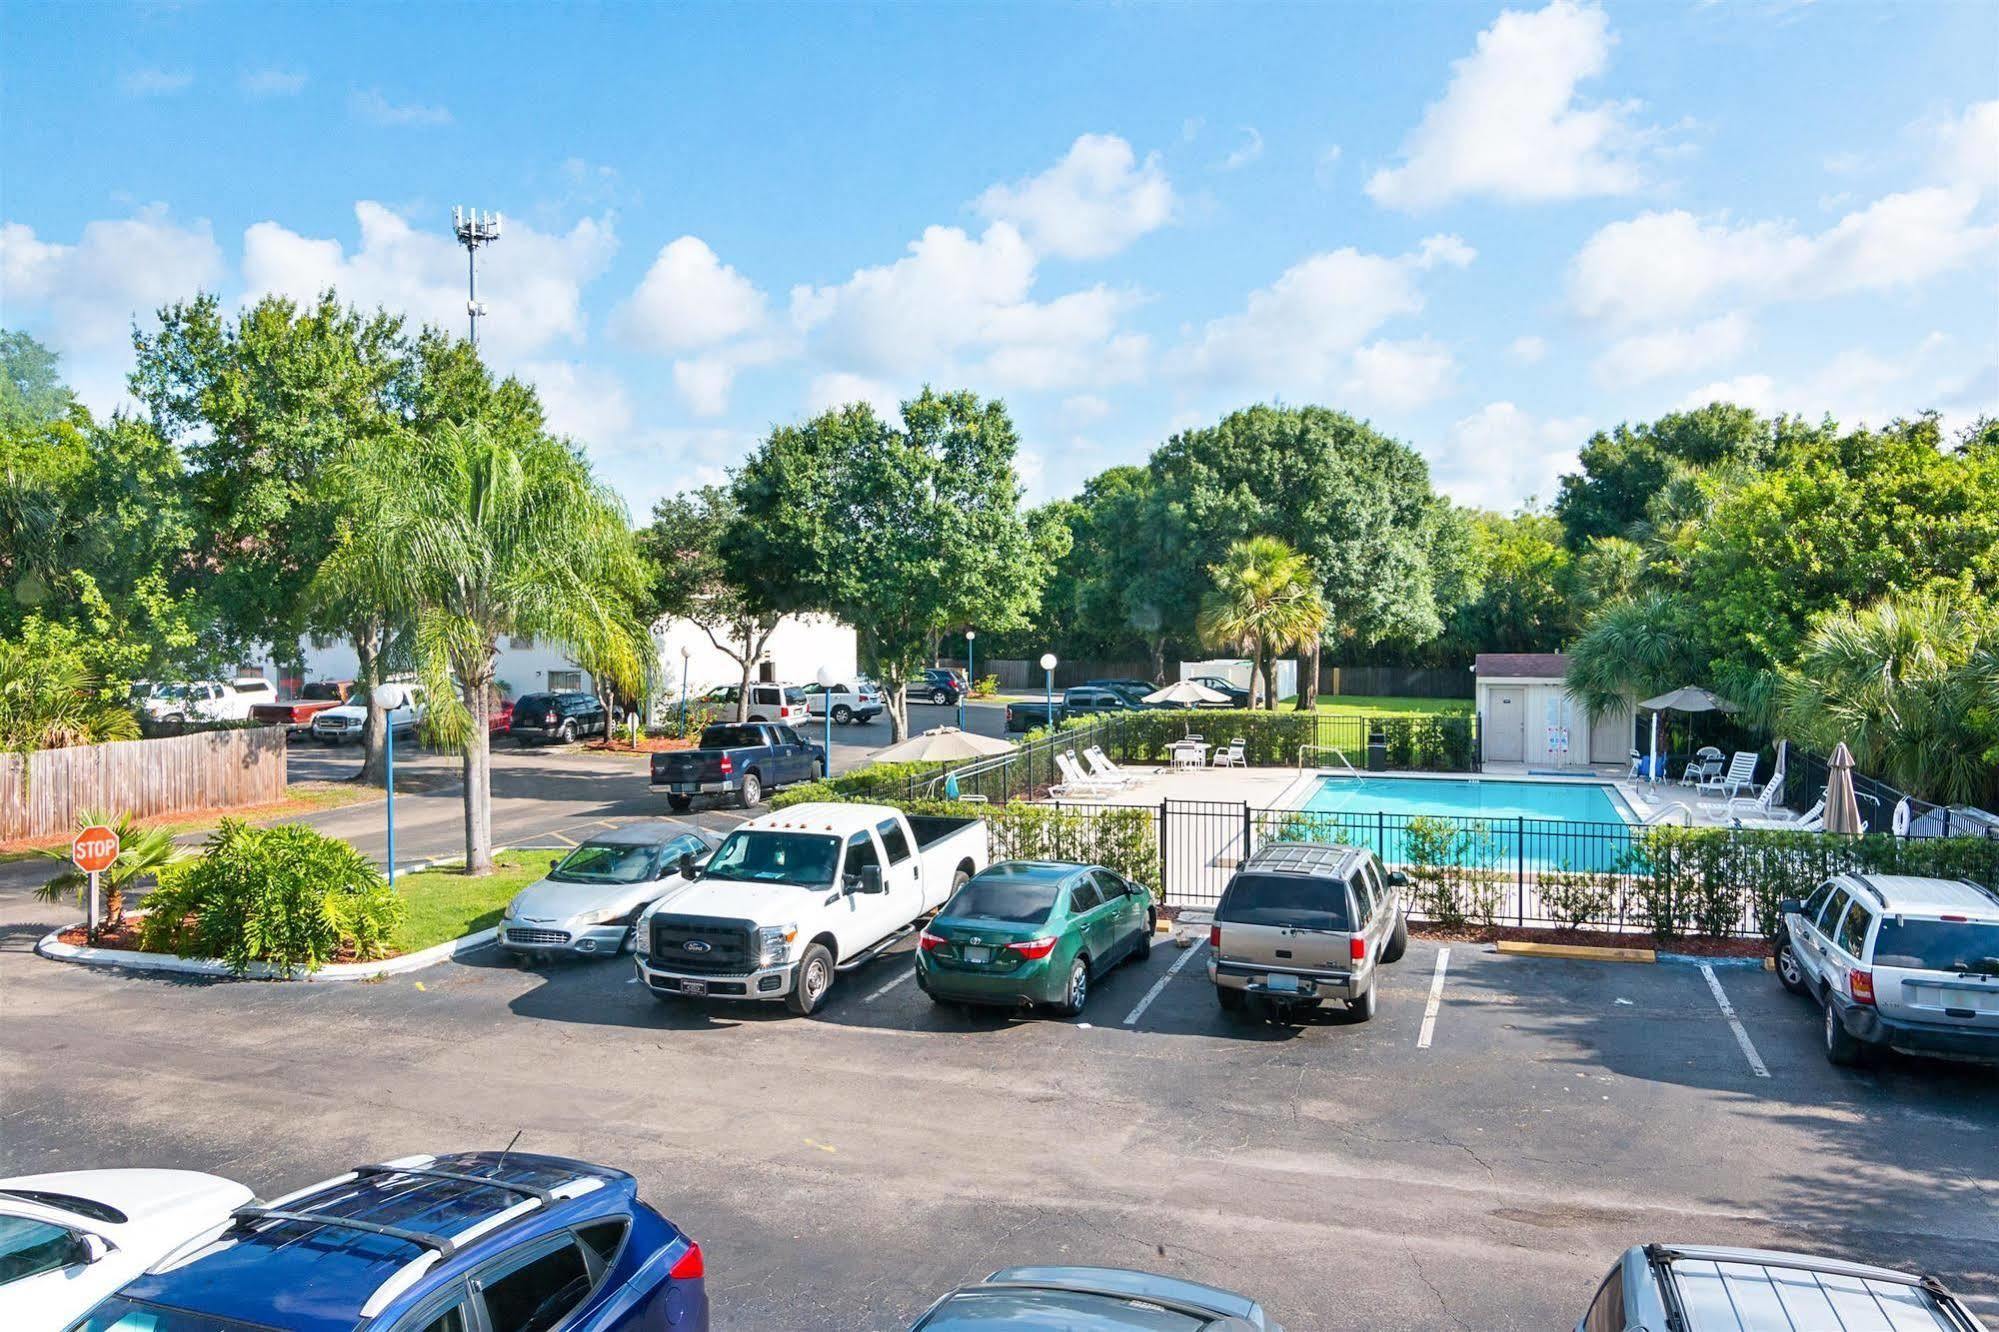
x=51, y=698
x=1634, y=649
x=737, y=608
x=1524, y=600
x=1623, y=468
x=903, y=533
x=491, y=531
x=1265, y=600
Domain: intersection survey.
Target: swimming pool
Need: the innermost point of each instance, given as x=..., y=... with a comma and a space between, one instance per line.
x=1472, y=821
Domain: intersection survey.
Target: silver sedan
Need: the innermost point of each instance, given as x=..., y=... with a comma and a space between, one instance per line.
x=586, y=904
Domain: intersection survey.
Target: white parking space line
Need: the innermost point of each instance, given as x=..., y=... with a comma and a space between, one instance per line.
x=1436, y=999
x=890, y=986
x=1160, y=984
x=1735, y=1024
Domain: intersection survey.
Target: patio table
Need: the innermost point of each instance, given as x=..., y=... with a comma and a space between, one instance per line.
x=1188, y=753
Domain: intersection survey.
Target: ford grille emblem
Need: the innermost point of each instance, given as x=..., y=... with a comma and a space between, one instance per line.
x=696, y=946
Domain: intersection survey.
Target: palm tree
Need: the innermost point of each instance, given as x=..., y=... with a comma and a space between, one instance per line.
x=1265, y=601
x=1630, y=649
x=488, y=531
x=50, y=699
x=142, y=854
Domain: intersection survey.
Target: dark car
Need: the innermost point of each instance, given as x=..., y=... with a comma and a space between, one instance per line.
x=1135, y=689
x=1238, y=696
x=497, y=1241
x=560, y=717
x=1104, y=1299
x=1033, y=716
x=743, y=759
x=935, y=686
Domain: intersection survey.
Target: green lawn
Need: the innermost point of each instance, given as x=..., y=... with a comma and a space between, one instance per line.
x=444, y=904
x=1367, y=705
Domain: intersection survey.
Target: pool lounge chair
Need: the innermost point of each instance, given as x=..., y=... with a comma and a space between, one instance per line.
x=1762, y=805
x=1741, y=776
x=1230, y=755
x=1077, y=782
x=1812, y=820
x=1102, y=769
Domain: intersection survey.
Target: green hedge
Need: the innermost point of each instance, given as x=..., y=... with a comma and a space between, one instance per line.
x=1416, y=742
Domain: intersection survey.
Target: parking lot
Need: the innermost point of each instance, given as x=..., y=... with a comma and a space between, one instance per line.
x=1473, y=1164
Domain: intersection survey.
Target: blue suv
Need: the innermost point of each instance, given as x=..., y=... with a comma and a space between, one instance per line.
x=472, y=1242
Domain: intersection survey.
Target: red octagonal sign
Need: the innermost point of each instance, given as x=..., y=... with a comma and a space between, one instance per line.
x=94, y=849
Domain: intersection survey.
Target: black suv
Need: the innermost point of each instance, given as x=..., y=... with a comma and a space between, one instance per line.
x=558, y=717
x=935, y=685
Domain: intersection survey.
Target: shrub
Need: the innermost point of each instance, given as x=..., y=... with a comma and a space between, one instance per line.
x=1574, y=898
x=287, y=895
x=699, y=717
x=986, y=686
x=1454, y=867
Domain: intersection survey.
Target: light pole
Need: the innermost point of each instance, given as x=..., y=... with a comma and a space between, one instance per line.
x=1048, y=665
x=685, y=653
x=969, y=677
x=391, y=697
x=826, y=698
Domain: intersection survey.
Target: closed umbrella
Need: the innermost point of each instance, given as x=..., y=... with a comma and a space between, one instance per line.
x=944, y=744
x=1186, y=692
x=1842, y=808
x=1687, y=698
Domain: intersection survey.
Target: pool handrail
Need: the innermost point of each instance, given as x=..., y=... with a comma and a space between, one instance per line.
x=1334, y=750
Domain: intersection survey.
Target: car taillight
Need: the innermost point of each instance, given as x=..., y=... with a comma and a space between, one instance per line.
x=1034, y=948
x=550, y=719
x=927, y=941
x=688, y=1266
x=728, y=765
x=1860, y=984
x=1357, y=949
x=1214, y=936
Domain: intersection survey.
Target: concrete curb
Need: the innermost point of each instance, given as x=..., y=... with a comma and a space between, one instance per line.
x=1575, y=952
x=52, y=947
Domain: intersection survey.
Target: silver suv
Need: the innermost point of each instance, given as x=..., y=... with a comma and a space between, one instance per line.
x=1301, y=923
x=1897, y=962
x=1702, y=1289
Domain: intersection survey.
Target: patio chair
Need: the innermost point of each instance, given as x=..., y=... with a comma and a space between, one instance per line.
x=1637, y=767
x=1707, y=762
x=1230, y=755
x=1812, y=820
x=1102, y=768
x=1741, y=776
x=1762, y=805
x=1075, y=781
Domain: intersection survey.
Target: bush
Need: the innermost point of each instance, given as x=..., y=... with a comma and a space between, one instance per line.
x=1574, y=898
x=699, y=717
x=287, y=895
x=1454, y=867
x=986, y=686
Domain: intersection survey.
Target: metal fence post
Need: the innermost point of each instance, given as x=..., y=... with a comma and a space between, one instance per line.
x=1162, y=850
x=1520, y=869
x=1245, y=833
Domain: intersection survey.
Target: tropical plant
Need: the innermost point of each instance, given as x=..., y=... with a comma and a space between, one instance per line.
x=489, y=531
x=50, y=699
x=142, y=853
x=1631, y=649
x=1265, y=601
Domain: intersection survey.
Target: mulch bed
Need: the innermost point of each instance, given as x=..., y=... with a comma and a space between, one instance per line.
x=1693, y=945
x=123, y=935
x=651, y=744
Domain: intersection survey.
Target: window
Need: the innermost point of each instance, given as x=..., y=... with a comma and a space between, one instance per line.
x=536, y=1295
x=893, y=841
x=603, y=1237
x=1835, y=907
x=998, y=895
x=1109, y=886
x=1816, y=902
x=1363, y=898
x=450, y=1320
x=682, y=846
x=789, y=736
x=860, y=853
x=1606, y=1312
x=1285, y=899
x=565, y=682
x=1853, y=930
x=1938, y=945
x=30, y=1248
x=1083, y=896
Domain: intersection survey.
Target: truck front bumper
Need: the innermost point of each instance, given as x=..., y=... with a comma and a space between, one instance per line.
x=767, y=983
x=1280, y=983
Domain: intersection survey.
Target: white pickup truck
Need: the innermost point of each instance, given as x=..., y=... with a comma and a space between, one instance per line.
x=793, y=898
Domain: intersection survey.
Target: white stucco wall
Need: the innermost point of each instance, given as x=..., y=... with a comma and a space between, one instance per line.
x=1558, y=733
x=1238, y=672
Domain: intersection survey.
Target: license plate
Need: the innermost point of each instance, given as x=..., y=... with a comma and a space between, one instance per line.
x=976, y=954
x=693, y=987
x=1288, y=984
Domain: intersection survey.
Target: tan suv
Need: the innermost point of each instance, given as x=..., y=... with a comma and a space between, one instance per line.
x=1302, y=922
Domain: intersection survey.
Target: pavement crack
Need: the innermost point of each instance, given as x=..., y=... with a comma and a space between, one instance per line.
x=1431, y=1286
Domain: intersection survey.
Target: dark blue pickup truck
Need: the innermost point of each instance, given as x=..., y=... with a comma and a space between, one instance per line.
x=739, y=759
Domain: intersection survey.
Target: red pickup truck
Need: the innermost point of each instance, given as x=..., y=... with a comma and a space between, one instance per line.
x=296, y=714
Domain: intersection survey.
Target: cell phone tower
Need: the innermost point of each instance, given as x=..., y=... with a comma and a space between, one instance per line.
x=474, y=229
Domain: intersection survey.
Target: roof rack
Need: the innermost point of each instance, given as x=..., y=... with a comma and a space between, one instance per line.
x=511, y=1186
x=1867, y=884
x=423, y=1239
x=1300, y=858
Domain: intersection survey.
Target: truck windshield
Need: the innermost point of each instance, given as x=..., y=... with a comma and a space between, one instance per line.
x=1938, y=945
x=320, y=692
x=606, y=862
x=777, y=857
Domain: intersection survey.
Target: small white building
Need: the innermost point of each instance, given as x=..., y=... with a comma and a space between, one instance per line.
x=1525, y=715
x=1241, y=672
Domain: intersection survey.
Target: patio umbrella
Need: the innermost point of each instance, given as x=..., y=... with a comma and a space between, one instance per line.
x=1187, y=692
x=1842, y=808
x=1687, y=698
x=941, y=744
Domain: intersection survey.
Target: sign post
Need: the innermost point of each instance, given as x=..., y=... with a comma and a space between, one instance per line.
x=93, y=851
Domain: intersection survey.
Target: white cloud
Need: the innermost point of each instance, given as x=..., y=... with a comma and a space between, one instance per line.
x=1968, y=148
x=705, y=381
x=656, y=463
x=155, y=82
x=1094, y=202
x=1527, y=349
x=1509, y=125
x=1756, y=392
x=371, y=105
x=838, y=388
x=273, y=82
x=1084, y=408
x=689, y=299
x=585, y=402
x=1500, y=456
x=531, y=281
x=1401, y=375
x=1642, y=357
x=1245, y=152
x=1859, y=385
x=1299, y=333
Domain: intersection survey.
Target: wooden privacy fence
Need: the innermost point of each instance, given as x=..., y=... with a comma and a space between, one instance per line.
x=42, y=793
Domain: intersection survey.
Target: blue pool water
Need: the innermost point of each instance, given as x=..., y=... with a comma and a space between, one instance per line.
x=1498, y=824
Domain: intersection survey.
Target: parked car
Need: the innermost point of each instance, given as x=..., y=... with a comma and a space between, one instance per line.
x=1077, y=701
x=860, y=701
x=558, y=718
x=207, y=700
x=499, y=716
x=1022, y=717
x=67, y=1240
x=1136, y=689
x=296, y=714
x=794, y=898
x=1693, y=1288
x=739, y=759
x=1034, y=932
x=936, y=685
x=1303, y=922
x=1896, y=961
x=1108, y=1299
x=768, y=703
x=497, y=1241
x=1238, y=696
x=590, y=898
x=346, y=723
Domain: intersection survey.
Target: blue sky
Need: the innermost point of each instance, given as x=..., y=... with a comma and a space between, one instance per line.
x=1487, y=230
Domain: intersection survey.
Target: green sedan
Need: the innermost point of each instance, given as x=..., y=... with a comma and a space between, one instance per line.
x=1033, y=932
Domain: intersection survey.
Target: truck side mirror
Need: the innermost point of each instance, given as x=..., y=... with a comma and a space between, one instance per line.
x=1397, y=879
x=688, y=869
x=1790, y=906
x=871, y=878
x=95, y=1248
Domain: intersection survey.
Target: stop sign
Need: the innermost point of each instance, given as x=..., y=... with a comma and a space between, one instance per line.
x=94, y=849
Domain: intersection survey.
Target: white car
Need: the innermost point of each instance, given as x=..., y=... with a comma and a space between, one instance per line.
x=208, y=700
x=587, y=903
x=69, y=1240
x=344, y=724
x=860, y=701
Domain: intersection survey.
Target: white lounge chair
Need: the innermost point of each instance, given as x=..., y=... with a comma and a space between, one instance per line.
x=1812, y=820
x=1741, y=775
x=1077, y=782
x=1230, y=755
x=1101, y=768
x=1762, y=805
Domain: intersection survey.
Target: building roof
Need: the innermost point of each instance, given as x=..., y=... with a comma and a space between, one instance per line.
x=1520, y=665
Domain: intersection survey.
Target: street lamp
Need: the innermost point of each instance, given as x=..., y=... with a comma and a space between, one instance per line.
x=1048, y=665
x=685, y=653
x=826, y=701
x=969, y=677
x=391, y=697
